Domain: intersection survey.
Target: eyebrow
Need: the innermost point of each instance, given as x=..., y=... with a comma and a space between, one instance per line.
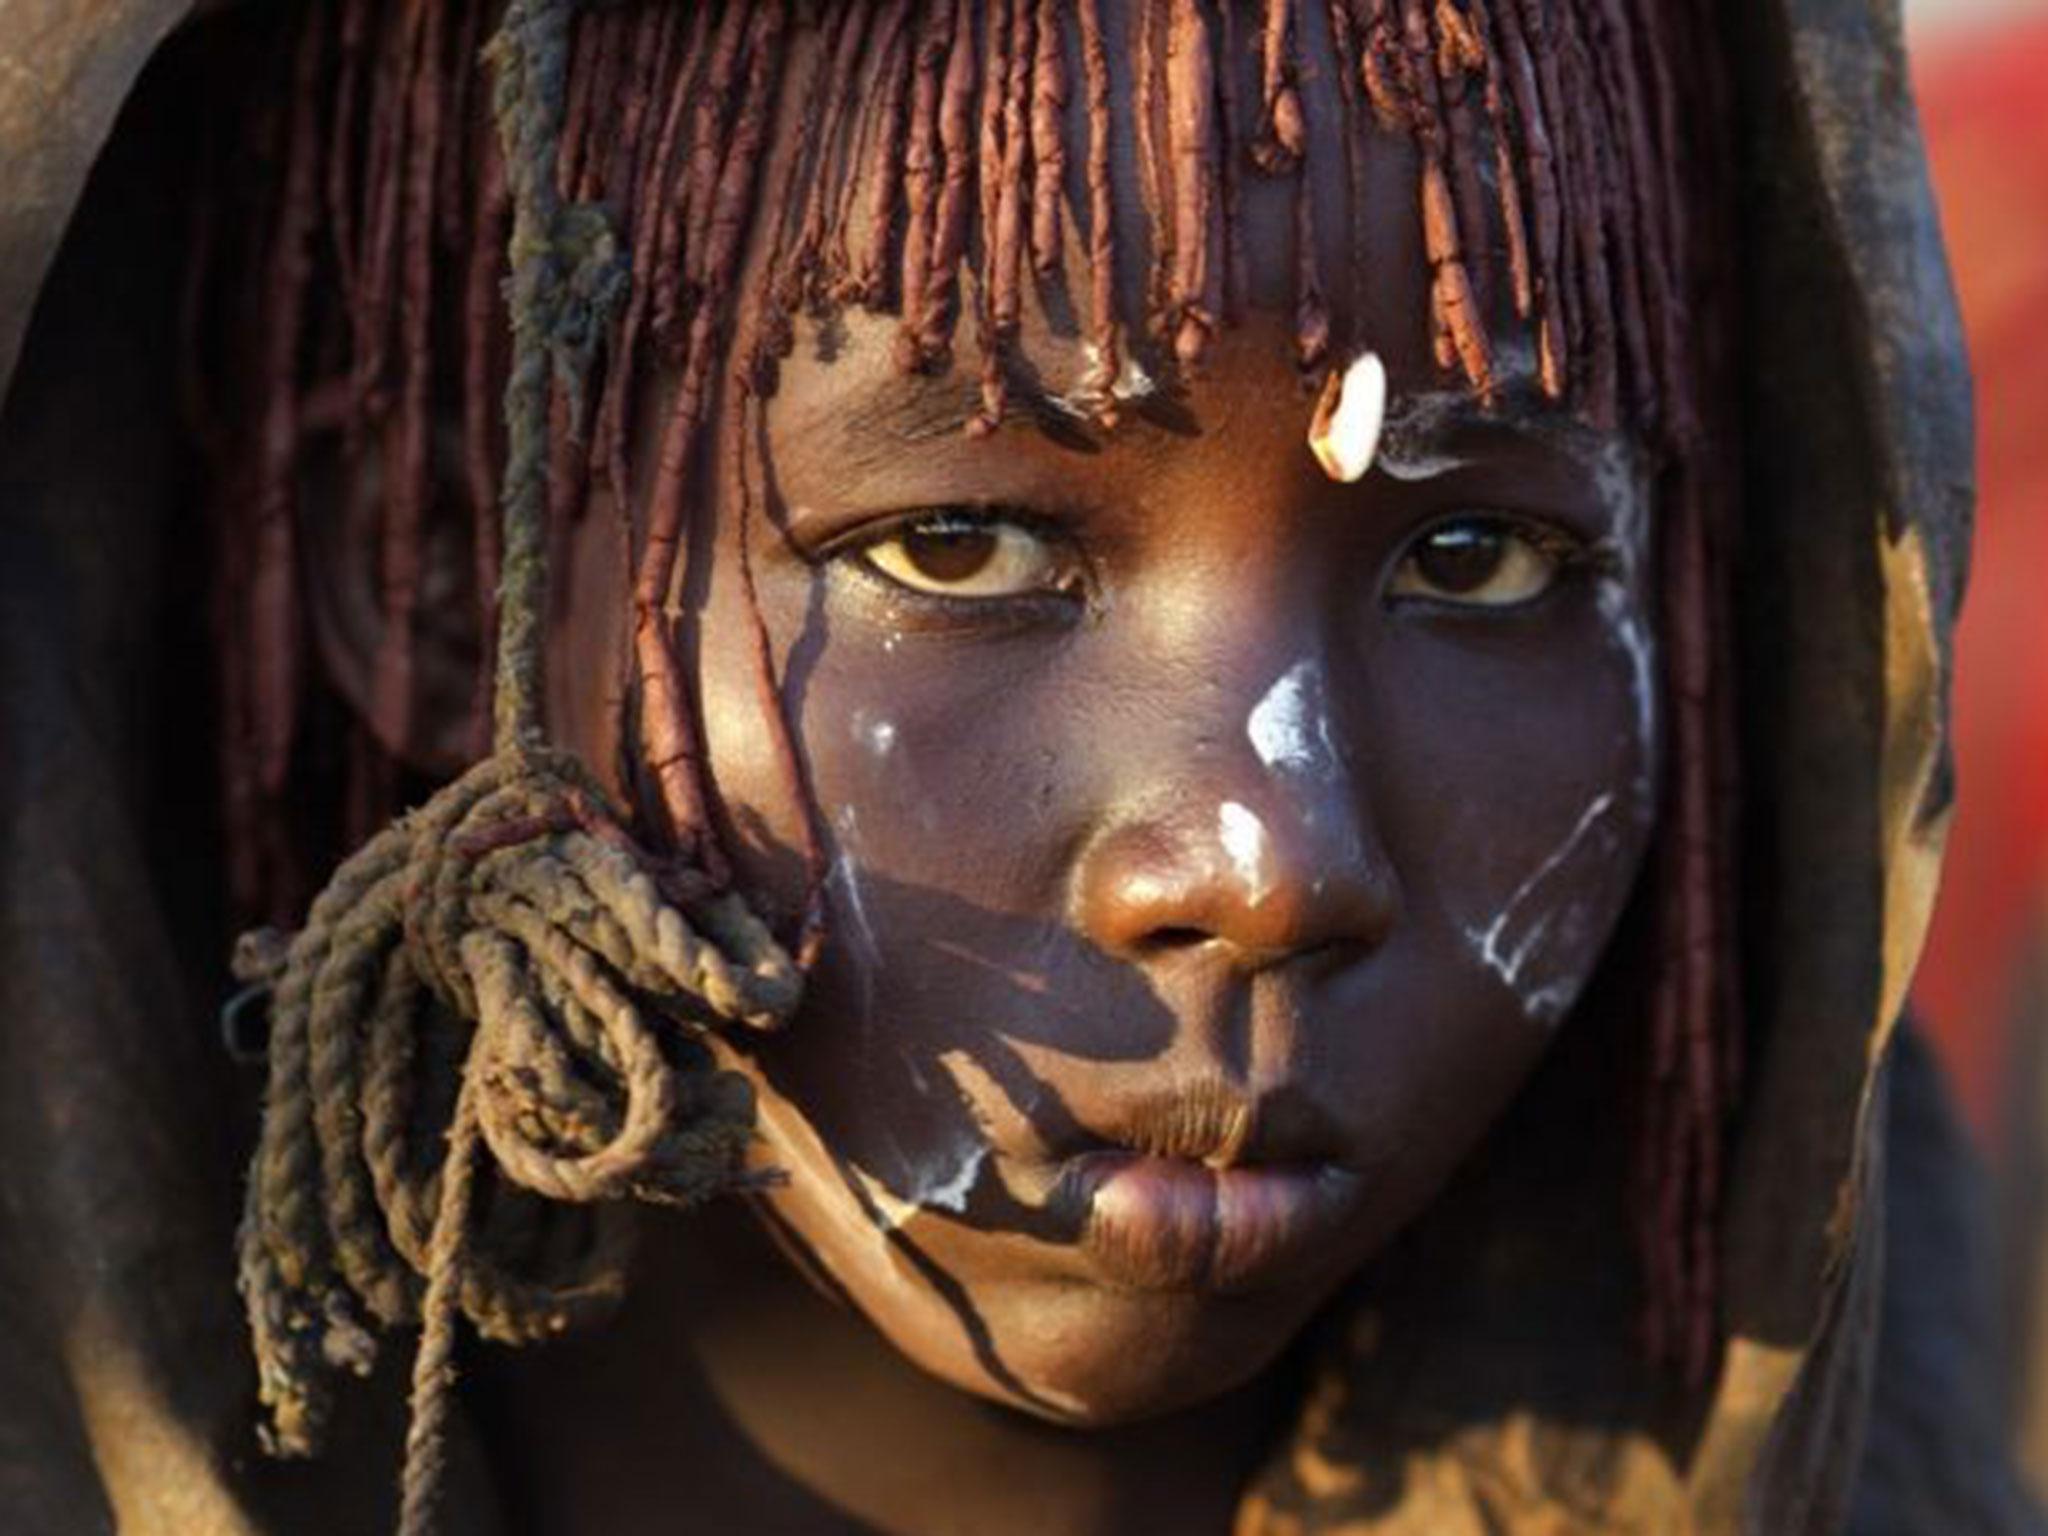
x=910, y=408
x=1431, y=424
x=904, y=410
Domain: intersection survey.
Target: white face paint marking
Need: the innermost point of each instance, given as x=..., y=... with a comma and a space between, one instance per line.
x=1412, y=468
x=1513, y=940
x=846, y=875
x=1244, y=839
x=1625, y=626
x=1623, y=496
x=1344, y=433
x=951, y=1193
x=1408, y=448
x=945, y=1179
x=917, y=1078
x=878, y=735
x=1290, y=728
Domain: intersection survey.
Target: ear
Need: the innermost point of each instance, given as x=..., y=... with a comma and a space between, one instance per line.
x=422, y=702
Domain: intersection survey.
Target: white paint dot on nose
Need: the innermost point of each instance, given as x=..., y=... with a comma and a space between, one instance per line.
x=1244, y=839
x=1344, y=433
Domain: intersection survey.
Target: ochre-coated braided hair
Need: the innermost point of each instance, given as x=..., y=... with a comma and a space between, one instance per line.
x=349, y=308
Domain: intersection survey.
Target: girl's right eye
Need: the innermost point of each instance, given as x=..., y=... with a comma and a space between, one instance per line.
x=968, y=558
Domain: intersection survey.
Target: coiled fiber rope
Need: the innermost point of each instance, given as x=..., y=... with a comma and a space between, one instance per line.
x=481, y=1039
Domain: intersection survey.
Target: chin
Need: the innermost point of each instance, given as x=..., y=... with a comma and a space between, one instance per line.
x=1093, y=1357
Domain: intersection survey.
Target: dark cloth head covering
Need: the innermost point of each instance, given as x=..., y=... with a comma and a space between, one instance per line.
x=1485, y=1381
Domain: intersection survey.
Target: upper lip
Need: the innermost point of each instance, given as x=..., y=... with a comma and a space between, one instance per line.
x=1218, y=1123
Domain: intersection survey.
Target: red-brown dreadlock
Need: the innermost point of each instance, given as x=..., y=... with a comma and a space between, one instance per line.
x=932, y=134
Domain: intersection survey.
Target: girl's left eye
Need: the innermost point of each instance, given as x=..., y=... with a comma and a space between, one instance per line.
x=1481, y=562
x=965, y=557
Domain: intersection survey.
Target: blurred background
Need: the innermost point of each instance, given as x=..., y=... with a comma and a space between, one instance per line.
x=1981, y=70
x=1931, y=16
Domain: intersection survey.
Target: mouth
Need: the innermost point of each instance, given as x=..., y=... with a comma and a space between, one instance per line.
x=1209, y=1188
x=1167, y=1224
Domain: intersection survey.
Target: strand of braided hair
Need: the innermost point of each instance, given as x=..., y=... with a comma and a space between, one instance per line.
x=512, y=925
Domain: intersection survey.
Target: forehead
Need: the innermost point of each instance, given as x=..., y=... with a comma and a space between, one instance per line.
x=1345, y=226
x=1172, y=212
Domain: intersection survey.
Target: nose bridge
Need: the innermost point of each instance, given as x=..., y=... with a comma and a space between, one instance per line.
x=1288, y=775
x=1252, y=831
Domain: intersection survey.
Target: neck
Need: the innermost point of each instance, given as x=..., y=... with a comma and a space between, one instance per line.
x=730, y=1395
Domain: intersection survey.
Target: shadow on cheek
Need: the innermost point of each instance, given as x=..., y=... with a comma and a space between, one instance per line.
x=922, y=988
x=925, y=996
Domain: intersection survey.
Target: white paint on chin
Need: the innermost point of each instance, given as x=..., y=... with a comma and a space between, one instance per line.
x=1512, y=945
x=1289, y=727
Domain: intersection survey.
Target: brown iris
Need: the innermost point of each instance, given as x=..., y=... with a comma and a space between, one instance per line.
x=949, y=553
x=1488, y=562
x=968, y=557
x=1461, y=558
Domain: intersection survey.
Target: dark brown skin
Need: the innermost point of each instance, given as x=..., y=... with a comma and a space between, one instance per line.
x=1251, y=822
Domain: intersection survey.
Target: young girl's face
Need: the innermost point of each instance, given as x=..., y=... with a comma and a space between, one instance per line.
x=1214, y=845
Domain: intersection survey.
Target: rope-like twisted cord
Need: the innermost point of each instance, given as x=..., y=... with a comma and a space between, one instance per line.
x=568, y=277
x=484, y=1029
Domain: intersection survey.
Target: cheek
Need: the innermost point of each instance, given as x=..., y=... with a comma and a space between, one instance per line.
x=1527, y=795
x=935, y=781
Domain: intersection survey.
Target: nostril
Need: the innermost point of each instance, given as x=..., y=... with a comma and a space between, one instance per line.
x=1166, y=886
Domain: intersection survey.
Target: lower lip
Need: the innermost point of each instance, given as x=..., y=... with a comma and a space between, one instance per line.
x=1167, y=1224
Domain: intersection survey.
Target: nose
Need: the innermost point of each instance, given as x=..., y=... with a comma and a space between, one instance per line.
x=1263, y=855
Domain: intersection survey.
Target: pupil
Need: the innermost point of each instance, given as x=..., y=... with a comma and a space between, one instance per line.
x=949, y=554
x=1461, y=559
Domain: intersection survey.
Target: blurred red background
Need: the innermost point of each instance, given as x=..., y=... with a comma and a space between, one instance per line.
x=1984, y=99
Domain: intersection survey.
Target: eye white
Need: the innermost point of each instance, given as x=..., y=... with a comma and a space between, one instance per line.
x=966, y=559
x=1481, y=563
